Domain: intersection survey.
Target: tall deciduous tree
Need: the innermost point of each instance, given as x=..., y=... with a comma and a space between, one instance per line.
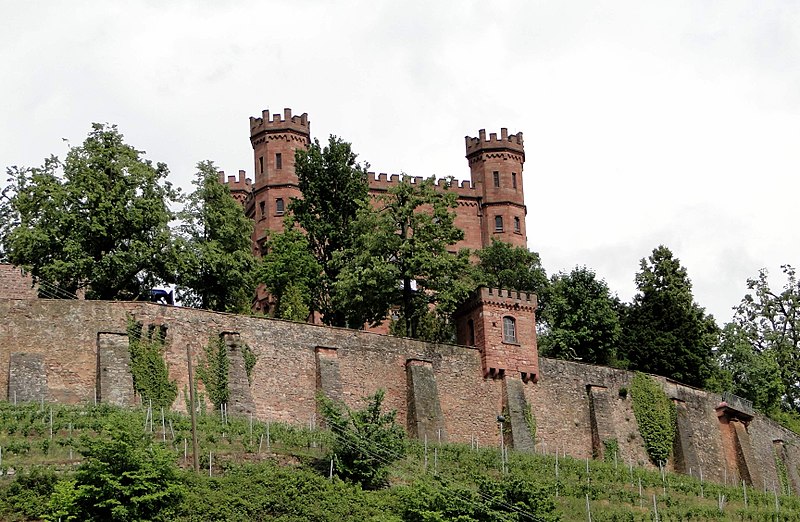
x=333, y=186
x=581, y=318
x=402, y=259
x=216, y=266
x=664, y=331
x=768, y=322
x=98, y=222
x=506, y=266
x=291, y=273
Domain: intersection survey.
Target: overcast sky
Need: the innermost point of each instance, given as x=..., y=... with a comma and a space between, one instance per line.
x=645, y=123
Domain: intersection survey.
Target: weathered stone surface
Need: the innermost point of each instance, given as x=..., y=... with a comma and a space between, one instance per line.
x=517, y=407
x=328, y=380
x=425, y=418
x=685, y=450
x=240, y=400
x=27, y=378
x=114, y=378
x=601, y=415
x=748, y=467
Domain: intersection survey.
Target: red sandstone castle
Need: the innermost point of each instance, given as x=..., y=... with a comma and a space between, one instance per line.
x=490, y=205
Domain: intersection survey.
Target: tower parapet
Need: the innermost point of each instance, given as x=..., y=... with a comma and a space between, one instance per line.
x=240, y=188
x=511, y=143
x=299, y=124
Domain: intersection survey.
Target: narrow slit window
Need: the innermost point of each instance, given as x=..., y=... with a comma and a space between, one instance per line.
x=496, y=176
x=514, y=179
x=471, y=326
x=279, y=206
x=261, y=164
x=509, y=329
x=278, y=161
x=498, y=223
x=516, y=225
x=262, y=206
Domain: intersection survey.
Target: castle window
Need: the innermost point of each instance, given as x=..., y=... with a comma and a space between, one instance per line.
x=516, y=225
x=509, y=330
x=279, y=206
x=471, y=327
x=278, y=161
x=514, y=179
x=262, y=208
x=498, y=223
x=261, y=164
x=496, y=176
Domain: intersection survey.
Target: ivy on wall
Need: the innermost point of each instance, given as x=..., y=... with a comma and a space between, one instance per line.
x=655, y=415
x=610, y=450
x=783, y=473
x=212, y=371
x=530, y=421
x=249, y=362
x=148, y=367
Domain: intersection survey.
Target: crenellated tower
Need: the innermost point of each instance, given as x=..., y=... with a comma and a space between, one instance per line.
x=275, y=139
x=496, y=169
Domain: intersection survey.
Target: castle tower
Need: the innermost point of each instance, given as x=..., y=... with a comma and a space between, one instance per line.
x=274, y=142
x=496, y=169
x=502, y=325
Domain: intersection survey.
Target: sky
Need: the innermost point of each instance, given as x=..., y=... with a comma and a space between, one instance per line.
x=645, y=123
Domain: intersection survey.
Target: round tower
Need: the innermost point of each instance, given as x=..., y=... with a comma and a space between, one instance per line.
x=275, y=140
x=496, y=169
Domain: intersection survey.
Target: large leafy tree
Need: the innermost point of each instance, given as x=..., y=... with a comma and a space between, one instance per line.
x=96, y=222
x=502, y=265
x=763, y=341
x=291, y=273
x=333, y=186
x=216, y=266
x=401, y=259
x=581, y=318
x=664, y=331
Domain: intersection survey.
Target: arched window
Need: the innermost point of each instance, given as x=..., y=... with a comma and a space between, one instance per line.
x=509, y=329
x=279, y=206
x=516, y=225
x=498, y=223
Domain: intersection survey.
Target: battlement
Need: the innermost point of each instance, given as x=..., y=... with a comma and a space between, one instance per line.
x=241, y=184
x=507, y=296
x=512, y=142
x=276, y=123
x=383, y=181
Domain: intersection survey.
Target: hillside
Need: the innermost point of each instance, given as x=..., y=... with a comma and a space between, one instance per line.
x=258, y=471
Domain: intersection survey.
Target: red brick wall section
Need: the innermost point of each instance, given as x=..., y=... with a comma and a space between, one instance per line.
x=15, y=283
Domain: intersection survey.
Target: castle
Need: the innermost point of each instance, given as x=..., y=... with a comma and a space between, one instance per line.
x=77, y=351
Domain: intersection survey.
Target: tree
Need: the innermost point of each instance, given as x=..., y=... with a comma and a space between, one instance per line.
x=401, y=259
x=581, y=318
x=768, y=323
x=98, y=222
x=291, y=273
x=502, y=265
x=664, y=331
x=216, y=266
x=366, y=441
x=333, y=187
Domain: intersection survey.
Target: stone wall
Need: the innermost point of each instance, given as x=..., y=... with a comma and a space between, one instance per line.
x=15, y=283
x=73, y=351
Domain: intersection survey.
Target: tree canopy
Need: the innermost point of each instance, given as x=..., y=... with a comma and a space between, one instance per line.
x=502, y=265
x=334, y=187
x=291, y=273
x=581, y=318
x=664, y=331
x=97, y=222
x=216, y=266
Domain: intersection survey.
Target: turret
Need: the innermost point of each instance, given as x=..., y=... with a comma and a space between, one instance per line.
x=496, y=170
x=241, y=188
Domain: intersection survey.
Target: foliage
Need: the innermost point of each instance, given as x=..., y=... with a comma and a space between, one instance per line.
x=365, y=441
x=250, y=360
x=664, y=331
x=530, y=421
x=655, y=415
x=29, y=493
x=148, y=367
x=217, y=269
x=125, y=477
x=291, y=273
x=97, y=222
x=401, y=261
x=212, y=370
x=610, y=450
x=581, y=318
x=334, y=187
x=768, y=323
x=502, y=265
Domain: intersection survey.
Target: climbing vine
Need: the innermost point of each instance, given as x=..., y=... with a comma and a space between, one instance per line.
x=783, y=473
x=610, y=450
x=148, y=367
x=249, y=362
x=655, y=415
x=212, y=371
x=530, y=421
